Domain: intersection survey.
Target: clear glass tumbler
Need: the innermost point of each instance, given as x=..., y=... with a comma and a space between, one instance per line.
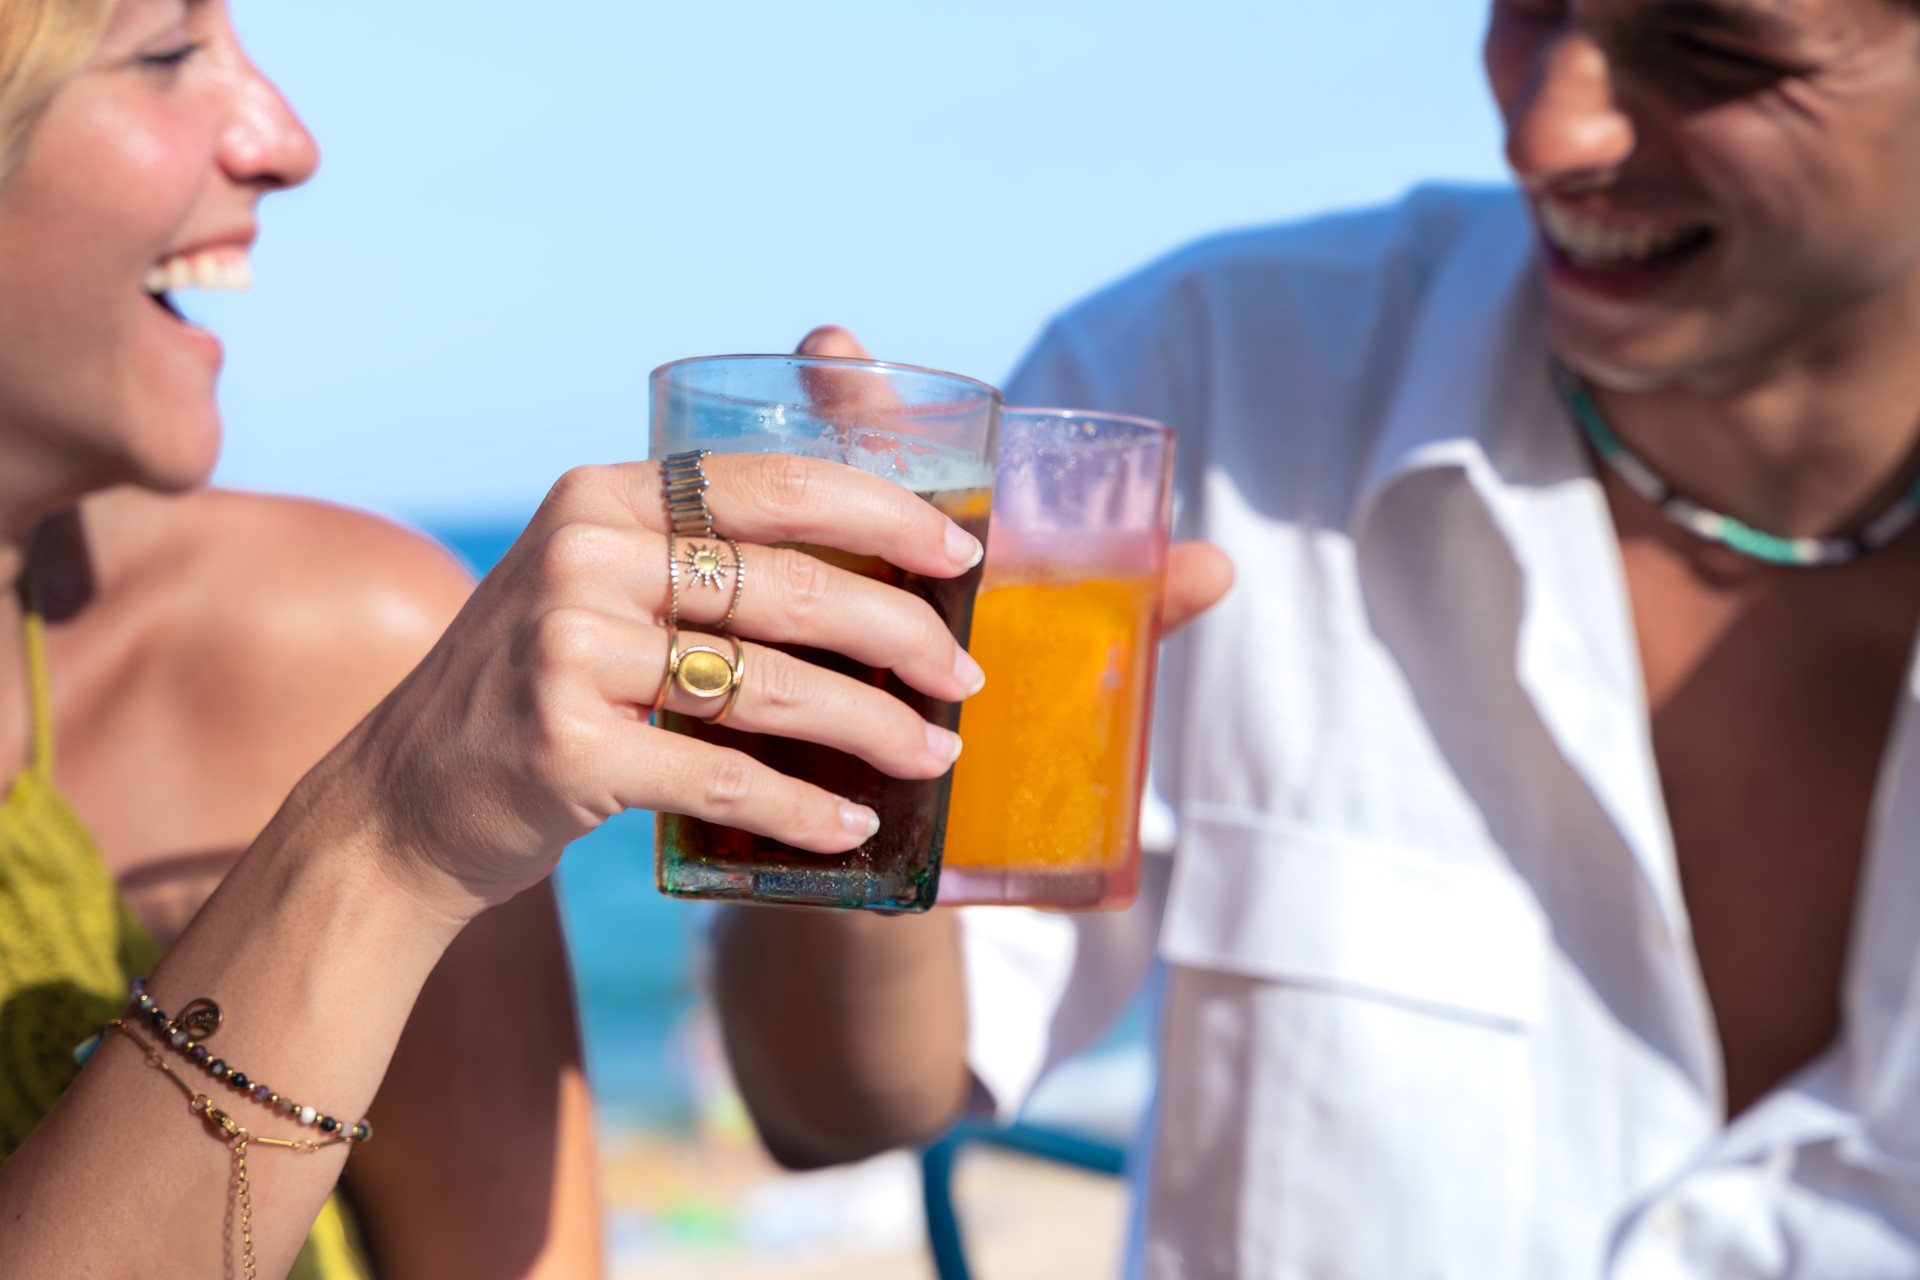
x=934, y=433
x=1046, y=800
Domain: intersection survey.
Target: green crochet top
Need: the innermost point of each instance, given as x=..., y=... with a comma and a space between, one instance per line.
x=69, y=945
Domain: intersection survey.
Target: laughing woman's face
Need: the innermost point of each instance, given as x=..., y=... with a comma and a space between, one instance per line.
x=141, y=177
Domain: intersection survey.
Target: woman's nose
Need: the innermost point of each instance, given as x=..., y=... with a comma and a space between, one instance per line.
x=264, y=143
x=1567, y=122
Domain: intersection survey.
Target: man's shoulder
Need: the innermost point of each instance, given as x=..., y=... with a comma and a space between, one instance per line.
x=1298, y=271
x=1276, y=351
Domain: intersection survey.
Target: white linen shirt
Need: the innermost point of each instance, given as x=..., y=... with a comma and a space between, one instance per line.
x=1432, y=1008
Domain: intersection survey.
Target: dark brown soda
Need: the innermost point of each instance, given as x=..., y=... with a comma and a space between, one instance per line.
x=897, y=870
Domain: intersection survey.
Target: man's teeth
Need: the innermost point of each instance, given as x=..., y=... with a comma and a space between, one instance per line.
x=229, y=271
x=1599, y=242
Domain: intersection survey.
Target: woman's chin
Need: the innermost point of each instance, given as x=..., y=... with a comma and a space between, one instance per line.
x=180, y=459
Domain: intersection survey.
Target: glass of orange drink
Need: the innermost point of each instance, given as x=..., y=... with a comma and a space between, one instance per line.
x=1046, y=800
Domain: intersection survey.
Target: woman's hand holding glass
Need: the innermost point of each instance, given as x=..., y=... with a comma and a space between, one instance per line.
x=527, y=725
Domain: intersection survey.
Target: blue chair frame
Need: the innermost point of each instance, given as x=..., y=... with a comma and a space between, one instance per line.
x=944, y=1238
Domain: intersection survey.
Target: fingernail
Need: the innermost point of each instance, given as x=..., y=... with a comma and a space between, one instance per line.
x=963, y=548
x=944, y=744
x=859, y=820
x=972, y=679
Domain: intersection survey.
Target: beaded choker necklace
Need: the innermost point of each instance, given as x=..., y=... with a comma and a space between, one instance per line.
x=1725, y=529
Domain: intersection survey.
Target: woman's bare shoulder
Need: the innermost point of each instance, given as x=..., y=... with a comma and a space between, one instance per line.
x=291, y=608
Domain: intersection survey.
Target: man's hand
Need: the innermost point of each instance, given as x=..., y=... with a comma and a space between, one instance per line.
x=1198, y=573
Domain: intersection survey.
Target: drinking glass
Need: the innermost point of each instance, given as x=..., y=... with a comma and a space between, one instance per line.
x=933, y=433
x=1046, y=799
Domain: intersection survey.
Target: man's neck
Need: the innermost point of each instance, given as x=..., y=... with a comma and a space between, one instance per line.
x=1816, y=444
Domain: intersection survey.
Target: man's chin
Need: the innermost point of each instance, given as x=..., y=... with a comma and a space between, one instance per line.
x=1638, y=358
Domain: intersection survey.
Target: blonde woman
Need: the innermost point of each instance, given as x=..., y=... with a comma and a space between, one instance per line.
x=174, y=662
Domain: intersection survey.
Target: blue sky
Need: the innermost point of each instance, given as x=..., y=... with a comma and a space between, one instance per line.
x=522, y=209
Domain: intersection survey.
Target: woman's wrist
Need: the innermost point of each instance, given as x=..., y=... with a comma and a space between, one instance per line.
x=337, y=819
x=315, y=956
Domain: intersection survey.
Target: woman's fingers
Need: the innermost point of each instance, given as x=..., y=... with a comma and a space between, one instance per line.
x=768, y=497
x=730, y=788
x=779, y=694
x=790, y=597
x=775, y=497
x=785, y=597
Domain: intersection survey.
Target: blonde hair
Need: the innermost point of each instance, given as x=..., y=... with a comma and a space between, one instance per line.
x=42, y=42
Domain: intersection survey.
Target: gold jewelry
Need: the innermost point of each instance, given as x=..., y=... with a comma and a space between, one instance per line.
x=706, y=673
x=202, y=1019
x=709, y=566
x=666, y=675
x=673, y=580
x=739, y=585
x=739, y=677
x=703, y=672
x=237, y=1139
x=685, y=484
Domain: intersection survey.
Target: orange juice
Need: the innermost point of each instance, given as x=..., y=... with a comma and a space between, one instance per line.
x=1046, y=799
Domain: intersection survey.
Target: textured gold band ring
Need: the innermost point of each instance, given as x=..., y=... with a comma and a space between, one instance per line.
x=684, y=481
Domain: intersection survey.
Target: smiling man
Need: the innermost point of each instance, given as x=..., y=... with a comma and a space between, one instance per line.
x=1546, y=889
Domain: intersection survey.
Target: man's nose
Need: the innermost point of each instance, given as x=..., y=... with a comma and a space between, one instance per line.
x=1567, y=123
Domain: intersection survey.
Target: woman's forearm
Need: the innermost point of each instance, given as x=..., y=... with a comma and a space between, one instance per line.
x=513, y=1195
x=314, y=957
x=522, y=730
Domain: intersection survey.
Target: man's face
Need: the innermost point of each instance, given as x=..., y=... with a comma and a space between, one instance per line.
x=1720, y=185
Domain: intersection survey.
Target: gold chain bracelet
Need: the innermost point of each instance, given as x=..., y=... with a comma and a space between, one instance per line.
x=237, y=1139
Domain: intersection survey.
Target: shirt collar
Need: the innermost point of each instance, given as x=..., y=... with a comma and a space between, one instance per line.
x=1476, y=341
x=1475, y=395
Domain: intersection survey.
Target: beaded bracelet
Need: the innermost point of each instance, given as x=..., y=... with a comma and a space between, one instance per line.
x=237, y=1139
x=199, y=1021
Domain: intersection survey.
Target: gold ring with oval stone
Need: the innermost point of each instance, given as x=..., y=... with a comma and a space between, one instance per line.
x=705, y=672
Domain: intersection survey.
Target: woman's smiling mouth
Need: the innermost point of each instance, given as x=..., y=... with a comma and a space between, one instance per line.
x=226, y=269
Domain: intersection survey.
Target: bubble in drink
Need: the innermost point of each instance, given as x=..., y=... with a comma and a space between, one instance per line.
x=1045, y=802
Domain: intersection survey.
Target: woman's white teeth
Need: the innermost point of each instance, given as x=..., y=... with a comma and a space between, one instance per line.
x=1601, y=242
x=227, y=270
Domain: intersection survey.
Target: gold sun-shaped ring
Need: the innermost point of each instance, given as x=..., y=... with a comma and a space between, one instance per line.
x=707, y=564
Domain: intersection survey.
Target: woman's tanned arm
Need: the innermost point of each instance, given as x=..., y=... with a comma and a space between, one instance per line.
x=315, y=954
x=523, y=729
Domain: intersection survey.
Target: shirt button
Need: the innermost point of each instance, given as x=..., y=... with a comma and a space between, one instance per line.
x=1668, y=1221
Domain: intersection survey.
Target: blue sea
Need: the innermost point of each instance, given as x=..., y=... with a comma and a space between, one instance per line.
x=636, y=959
